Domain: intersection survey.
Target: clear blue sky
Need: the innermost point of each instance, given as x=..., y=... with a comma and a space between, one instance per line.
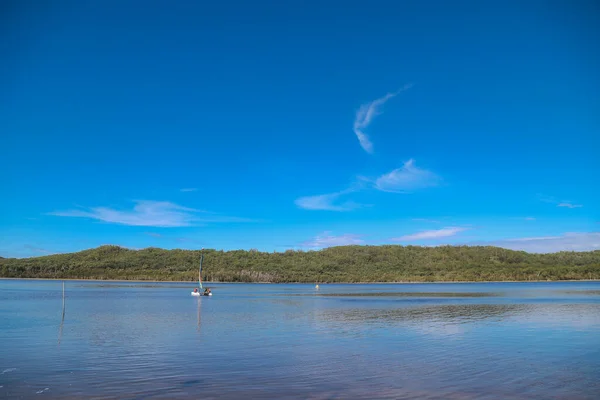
x=299, y=124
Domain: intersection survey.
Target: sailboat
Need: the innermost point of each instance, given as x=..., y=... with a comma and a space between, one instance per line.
x=197, y=292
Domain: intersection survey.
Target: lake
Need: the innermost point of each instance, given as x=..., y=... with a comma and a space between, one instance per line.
x=133, y=340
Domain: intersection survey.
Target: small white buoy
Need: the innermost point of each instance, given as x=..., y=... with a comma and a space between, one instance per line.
x=317, y=287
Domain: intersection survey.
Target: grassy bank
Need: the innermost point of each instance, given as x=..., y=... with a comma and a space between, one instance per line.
x=348, y=264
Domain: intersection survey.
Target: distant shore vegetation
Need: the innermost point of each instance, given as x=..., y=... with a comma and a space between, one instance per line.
x=344, y=264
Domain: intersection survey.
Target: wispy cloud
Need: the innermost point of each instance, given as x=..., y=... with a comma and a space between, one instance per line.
x=432, y=221
x=326, y=239
x=431, y=234
x=561, y=203
x=571, y=241
x=406, y=179
x=188, y=190
x=365, y=115
x=153, y=234
x=524, y=218
x=569, y=205
x=163, y=214
x=328, y=202
x=546, y=199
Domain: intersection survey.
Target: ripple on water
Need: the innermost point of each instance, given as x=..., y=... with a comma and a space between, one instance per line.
x=7, y=370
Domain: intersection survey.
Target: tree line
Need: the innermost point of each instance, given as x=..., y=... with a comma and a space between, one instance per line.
x=347, y=264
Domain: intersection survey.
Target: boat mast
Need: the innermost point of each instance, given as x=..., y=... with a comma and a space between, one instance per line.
x=200, y=270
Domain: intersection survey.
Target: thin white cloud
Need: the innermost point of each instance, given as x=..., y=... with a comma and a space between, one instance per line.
x=562, y=203
x=431, y=234
x=546, y=199
x=153, y=234
x=569, y=205
x=161, y=214
x=188, y=190
x=328, y=202
x=401, y=180
x=327, y=240
x=529, y=219
x=432, y=221
x=365, y=115
x=406, y=179
x=534, y=238
x=571, y=241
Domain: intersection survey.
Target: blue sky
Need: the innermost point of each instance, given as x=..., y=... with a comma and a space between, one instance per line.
x=276, y=125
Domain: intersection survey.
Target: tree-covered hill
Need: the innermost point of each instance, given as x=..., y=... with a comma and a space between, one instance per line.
x=336, y=264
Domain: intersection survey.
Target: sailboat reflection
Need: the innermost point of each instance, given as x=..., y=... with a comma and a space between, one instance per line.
x=199, y=300
x=62, y=321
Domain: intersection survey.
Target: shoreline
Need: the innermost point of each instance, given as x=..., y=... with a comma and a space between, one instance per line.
x=295, y=283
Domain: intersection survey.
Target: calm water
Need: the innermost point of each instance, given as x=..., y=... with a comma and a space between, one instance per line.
x=419, y=341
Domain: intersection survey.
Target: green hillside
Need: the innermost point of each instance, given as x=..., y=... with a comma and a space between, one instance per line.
x=336, y=264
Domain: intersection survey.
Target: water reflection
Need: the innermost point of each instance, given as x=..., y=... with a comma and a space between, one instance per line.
x=198, y=305
x=113, y=285
x=584, y=292
x=449, y=313
x=62, y=320
x=268, y=342
x=411, y=294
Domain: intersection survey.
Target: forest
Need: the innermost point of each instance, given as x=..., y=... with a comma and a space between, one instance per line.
x=343, y=264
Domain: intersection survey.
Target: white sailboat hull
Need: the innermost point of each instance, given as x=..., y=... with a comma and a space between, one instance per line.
x=200, y=294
